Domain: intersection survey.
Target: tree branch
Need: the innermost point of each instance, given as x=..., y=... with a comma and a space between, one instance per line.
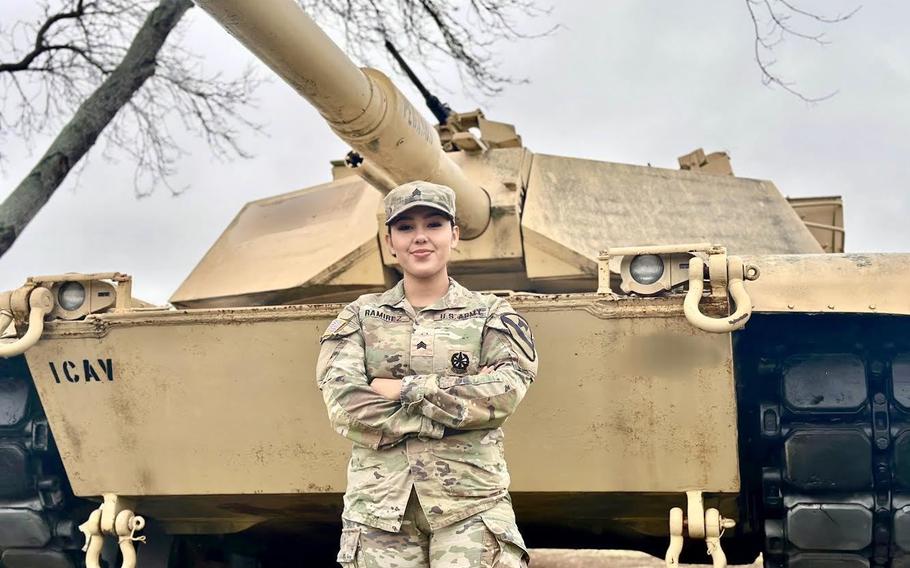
x=40, y=46
x=777, y=14
x=462, y=32
x=93, y=115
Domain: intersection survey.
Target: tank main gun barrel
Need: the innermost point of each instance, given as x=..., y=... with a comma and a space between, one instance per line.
x=362, y=106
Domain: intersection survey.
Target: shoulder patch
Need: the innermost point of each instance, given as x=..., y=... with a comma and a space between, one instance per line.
x=338, y=328
x=520, y=332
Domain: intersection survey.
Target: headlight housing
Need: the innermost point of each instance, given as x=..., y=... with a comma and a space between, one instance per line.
x=648, y=270
x=78, y=295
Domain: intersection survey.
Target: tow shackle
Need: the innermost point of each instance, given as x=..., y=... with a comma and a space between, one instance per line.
x=735, y=273
x=115, y=519
x=39, y=301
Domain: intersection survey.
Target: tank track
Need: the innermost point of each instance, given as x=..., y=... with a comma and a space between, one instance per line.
x=825, y=438
x=37, y=511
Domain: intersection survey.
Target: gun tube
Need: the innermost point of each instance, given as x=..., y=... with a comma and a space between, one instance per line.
x=362, y=106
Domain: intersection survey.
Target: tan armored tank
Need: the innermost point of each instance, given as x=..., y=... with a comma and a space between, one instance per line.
x=706, y=368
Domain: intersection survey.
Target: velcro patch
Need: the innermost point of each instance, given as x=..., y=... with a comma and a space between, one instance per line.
x=338, y=328
x=334, y=326
x=520, y=332
x=423, y=340
x=460, y=361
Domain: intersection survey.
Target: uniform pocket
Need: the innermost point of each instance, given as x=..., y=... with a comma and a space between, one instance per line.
x=350, y=544
x=470, y=474
x=509, y=550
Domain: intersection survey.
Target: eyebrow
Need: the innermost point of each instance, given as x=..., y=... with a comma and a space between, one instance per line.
x=426, y=216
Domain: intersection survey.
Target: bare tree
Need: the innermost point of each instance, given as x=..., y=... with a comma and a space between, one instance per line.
x=103, y=63
x=428, y=28
x=775, y=21
x=109, y=69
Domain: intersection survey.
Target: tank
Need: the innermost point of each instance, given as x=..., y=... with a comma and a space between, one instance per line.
x=716, y=375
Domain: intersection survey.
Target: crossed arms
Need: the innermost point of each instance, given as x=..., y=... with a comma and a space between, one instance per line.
x=386, y=411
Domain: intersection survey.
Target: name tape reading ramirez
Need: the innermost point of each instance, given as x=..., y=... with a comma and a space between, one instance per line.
x=370, y=313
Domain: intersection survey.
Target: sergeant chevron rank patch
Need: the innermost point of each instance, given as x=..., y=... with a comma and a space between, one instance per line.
x=422, y=342
x=520, y=332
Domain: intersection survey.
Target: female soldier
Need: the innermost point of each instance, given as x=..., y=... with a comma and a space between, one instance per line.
x=420, y=378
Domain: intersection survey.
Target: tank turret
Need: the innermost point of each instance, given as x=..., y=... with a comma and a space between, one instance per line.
x=362, y=106
x=533, y=222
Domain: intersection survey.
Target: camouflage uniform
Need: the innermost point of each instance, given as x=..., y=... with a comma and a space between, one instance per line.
x=441, y=441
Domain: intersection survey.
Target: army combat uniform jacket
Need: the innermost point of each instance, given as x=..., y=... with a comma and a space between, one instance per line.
x=443, y=437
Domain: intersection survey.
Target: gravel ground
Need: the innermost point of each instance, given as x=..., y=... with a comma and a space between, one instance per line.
x=553, y=558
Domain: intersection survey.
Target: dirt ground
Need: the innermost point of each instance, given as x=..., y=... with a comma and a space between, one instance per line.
x=553, y=558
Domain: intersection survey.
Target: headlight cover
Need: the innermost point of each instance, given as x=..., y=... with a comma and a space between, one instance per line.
x=71, y=296
x=646, y=268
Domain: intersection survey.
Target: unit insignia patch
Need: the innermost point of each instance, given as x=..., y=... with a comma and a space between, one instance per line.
x=520, y=332
x=460, y=361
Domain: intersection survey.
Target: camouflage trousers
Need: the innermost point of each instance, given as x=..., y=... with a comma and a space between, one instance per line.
x=486, y=540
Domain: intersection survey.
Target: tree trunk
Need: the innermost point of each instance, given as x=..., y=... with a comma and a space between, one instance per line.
x=93, y=115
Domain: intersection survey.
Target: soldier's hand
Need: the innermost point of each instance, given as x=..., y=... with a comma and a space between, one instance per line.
x=388, y=388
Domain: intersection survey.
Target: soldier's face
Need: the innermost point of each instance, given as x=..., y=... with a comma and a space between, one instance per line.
x=422, y=240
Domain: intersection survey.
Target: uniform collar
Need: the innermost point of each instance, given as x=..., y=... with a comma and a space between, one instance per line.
x=394, y=296
x=456, y=296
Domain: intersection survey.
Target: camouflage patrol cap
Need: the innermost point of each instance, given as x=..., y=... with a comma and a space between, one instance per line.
x=416, y=193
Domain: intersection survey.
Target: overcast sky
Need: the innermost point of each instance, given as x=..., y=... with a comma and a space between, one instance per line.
x=631, y=81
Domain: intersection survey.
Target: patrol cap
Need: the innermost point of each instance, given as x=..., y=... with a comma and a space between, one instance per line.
x=416, y=193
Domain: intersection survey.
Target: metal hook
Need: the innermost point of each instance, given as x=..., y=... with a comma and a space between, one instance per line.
x=41, y=302
x=124, y=527
x=94, y=539
x=736, y=288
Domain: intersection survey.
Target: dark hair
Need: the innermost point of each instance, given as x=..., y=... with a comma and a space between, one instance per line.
x=388, y=226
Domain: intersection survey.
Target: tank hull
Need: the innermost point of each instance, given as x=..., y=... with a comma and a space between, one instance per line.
x=211, y=419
